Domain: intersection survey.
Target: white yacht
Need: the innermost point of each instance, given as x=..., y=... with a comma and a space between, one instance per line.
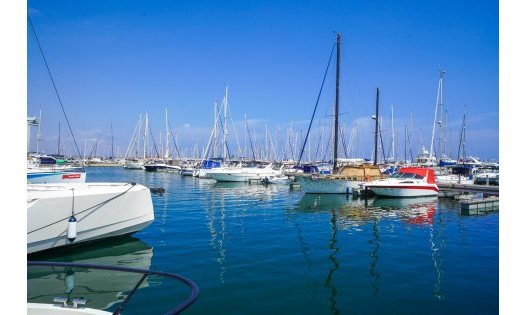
x=242, y=174
x=64, y=214
x=42, y=169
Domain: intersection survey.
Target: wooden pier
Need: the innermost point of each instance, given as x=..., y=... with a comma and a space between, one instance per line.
x=452, y=189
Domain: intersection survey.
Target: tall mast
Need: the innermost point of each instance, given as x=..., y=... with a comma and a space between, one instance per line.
x=439, y=99
x=214, y=147
x=145, y=135
x=376, y=128
x=111, y=128
x=225, y=129
x=138, y=144
x=58, y=149
x=462, y=142
x=393, y=134
x=167, y=150
x=336, y=104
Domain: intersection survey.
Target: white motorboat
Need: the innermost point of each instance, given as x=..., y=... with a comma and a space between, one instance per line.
x=133, y=164
x=242, y=174
x=453, y=179
x=278, y=179
x=407, y=182
x=42, y=169
x=65, y=214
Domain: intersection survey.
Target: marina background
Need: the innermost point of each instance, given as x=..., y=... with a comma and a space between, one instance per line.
x=146, y=57
x=511, y=62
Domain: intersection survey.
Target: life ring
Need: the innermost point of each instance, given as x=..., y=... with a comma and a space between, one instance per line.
x=367, y=178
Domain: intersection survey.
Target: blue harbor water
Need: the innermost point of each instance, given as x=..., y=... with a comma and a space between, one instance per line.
x=255, y=249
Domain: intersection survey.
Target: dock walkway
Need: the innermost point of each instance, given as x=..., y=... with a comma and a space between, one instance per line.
x=464, y=188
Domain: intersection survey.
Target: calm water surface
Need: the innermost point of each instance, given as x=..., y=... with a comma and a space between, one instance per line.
x=258, y=250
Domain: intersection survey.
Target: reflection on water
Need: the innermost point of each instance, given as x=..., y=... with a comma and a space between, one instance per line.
x=217, y=228
x=353, y=214
x=335, y=265
x=375, y=242
x=228, y=204
x=436, y=258
x=45, y=283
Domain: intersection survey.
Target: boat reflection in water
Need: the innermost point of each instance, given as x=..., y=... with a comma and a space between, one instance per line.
x=100, y=288
x=356, y=211
x=358, y=215
x=420, y=210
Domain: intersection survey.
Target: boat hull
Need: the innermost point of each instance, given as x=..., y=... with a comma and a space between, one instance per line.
x=133, y=165
x=43, y=177
x=322, y=185
x=240, y=175
x=102, y=210
x=404, y=191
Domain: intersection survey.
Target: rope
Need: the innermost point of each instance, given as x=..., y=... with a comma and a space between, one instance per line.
x=97, y=205
x=54, y=86
x=316, y=106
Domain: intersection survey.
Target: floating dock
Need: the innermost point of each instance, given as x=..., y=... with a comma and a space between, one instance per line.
x=452, y=189
x=482, y=206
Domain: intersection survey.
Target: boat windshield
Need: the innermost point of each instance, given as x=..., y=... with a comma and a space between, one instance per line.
x=406, y=176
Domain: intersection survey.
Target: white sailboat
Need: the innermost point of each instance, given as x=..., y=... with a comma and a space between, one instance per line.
x=242, y=174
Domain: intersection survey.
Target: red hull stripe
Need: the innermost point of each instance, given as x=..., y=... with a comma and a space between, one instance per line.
x=70, y=176
x=407, y=187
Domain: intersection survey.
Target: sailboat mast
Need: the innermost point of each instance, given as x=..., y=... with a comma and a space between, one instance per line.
x=145, y=135
x=111, y=129
x=392, y=135
x=461, y=143
x=376, y=128
x=225, y=129
x=58, y=149
x=439, y=93
x=167, y=149
x=336, y=104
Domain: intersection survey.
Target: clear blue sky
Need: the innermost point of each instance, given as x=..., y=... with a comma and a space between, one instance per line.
x=115, y=60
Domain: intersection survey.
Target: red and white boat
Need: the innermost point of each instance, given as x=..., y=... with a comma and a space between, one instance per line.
x=407, y=182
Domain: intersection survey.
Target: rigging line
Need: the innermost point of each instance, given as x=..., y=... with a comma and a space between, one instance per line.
x=54, y=86
x=316, y=106
x=97, y=205
x=343, y=142
x=153, y=141
x=175, y=143
x=251, y=146
x=72, y=202
x=226, y=142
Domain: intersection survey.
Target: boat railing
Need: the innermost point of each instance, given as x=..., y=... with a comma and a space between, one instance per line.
x=145, y=273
